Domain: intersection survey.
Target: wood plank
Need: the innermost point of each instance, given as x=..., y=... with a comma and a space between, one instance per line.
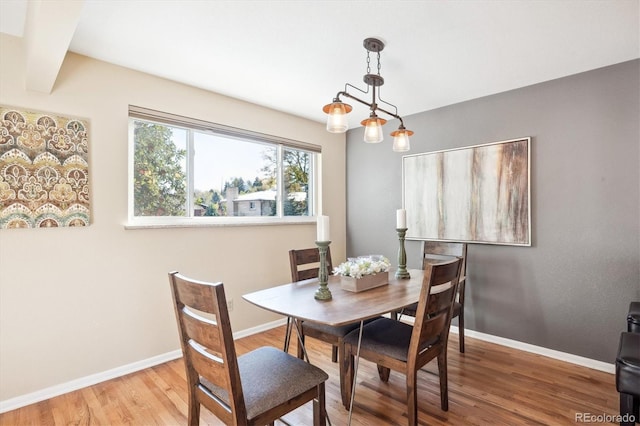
x=489, y=384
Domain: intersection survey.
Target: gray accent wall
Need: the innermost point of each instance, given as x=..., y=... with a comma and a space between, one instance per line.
x=571, y=289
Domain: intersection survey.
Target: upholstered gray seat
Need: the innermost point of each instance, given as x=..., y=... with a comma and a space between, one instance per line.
x=388, y=337
x=265, y=374
x=338, y=331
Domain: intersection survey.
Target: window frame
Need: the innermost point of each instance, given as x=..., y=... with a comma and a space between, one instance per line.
x=195, y=125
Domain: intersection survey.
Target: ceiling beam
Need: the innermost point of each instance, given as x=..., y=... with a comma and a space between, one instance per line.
x=49, y=27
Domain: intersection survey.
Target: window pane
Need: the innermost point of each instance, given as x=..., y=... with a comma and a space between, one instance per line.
x=296, y=167
x=233, y=177
x=160, y=182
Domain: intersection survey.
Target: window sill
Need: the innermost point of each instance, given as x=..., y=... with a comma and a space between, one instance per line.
x=162, y=223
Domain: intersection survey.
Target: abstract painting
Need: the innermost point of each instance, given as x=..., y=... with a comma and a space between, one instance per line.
x=44, y=170
x=473, y=194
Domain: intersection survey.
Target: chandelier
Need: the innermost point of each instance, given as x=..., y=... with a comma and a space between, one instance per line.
x=337, y=110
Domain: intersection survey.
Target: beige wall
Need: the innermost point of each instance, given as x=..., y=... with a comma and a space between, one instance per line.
x=80, y=301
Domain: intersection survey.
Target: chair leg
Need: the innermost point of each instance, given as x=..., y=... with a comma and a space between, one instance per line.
x=194, y=410
x=461, y=329
x=442, y=372
x=334, y=353
x=412, y=398
x=342, y=368
x=346, y=376
x=383, y=373
x=628, y=409
x=319, y=408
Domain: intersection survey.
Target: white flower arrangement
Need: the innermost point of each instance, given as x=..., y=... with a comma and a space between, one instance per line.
x=363, y=265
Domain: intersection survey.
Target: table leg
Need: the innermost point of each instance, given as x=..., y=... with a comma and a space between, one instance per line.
x=300, y=341
x=355, y=373
x=287, y=335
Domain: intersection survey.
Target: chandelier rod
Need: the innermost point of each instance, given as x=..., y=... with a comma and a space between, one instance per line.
x=373, y=105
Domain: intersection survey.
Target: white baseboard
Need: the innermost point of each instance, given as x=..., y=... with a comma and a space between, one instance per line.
x=551, y=353
x=53, y=391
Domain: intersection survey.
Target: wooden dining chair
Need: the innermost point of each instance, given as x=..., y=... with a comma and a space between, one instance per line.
x=395, y=345
x=253, y=389
x=437, y=251
x=305, y=264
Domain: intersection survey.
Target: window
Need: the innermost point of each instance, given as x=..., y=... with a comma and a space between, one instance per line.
x=186, y=171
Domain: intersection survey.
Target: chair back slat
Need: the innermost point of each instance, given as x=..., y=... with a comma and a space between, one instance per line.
x=438, y=306
x=194, y=294
x=305, y=263
x=202, y=330
x=444, y=273
x=436, y=251
x=207, y=344
x=209, y=366
x=433, y=314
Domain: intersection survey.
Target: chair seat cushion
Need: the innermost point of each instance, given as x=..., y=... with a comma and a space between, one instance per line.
x=338, y=331
x=270, y=377
x=386, y=336
x=628, y=364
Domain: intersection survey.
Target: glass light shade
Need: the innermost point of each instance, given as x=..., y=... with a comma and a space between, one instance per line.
x=401, y=140
x=337, y=117
x=373, y=129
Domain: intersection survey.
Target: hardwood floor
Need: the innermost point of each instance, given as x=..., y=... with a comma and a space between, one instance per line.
x=488, y=385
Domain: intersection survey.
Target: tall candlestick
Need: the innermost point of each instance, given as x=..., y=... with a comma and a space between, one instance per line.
x=323, y=229
x=401, y=219
x=402, y=256
x=323, y=293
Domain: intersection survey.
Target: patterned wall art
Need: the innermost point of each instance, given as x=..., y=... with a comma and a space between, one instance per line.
x=44, y=170
x=475, y=194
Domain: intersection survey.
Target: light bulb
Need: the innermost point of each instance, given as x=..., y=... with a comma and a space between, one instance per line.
x=337, y=119
x=401, y=139
x=337, y=116
x=373, y=129
x=401, y=142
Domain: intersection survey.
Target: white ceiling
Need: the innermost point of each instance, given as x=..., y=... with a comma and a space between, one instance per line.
x=294, y=56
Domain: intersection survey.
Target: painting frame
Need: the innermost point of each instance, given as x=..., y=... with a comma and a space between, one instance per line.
x=474, y=194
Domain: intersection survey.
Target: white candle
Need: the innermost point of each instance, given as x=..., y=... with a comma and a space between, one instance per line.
x=401, y=218
x=323, y=229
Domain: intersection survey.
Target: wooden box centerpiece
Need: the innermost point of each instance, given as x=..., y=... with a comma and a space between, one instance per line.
x=363, y=273
x=364, y=283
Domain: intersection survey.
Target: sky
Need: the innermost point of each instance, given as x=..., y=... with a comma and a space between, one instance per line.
x=215, y=159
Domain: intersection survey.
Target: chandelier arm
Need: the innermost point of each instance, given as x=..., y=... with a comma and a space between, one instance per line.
x=385, y=102
x=346, y=85
x=348, y=95
x=390, y=114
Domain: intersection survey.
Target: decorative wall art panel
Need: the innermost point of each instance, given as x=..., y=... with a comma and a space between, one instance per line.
x=44, y=170
x=475, y=194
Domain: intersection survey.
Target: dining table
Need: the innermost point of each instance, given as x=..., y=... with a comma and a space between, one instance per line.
x=296, y=301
